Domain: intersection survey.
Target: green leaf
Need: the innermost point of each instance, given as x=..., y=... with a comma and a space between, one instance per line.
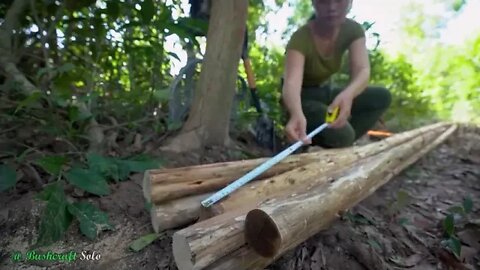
x=456, y=210
x=52, y=164
x=55, y=218
x=92, y=220
x=467, y=205
x=75, y=114
x=97, y=162
x=402, y=198
x=66, y=68
x=74, y=5
x=29, y=101
x=142, y=163
x=103, y=165
x=88, y=180
x=47, y=192
x=143, y=241
x=148, y=206
x=458, y=4
x=113, y=9
x=403, y=221
x=161, y=95
x=108, y=167
x=374, y=244
x=448, y=225
x=148, y=10
x=8, y=177
x=122, y=171
x=455, y=246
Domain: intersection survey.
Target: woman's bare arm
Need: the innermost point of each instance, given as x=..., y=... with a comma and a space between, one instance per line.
x=359, y=67
x=292, y=84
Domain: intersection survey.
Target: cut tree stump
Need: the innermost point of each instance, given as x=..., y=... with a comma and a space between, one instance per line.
x=203, y=244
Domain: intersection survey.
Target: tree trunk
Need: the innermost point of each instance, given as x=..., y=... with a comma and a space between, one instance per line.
x=208, y=121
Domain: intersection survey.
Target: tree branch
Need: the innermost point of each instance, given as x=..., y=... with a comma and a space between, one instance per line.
x=10, y=24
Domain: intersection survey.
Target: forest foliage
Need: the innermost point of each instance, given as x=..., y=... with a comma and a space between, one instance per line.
x=79, y=72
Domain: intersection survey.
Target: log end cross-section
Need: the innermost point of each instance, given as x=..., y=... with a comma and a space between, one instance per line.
x=259, y=225
x=181, y=249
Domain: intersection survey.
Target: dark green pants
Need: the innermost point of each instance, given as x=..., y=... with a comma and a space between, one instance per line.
x=367, y=108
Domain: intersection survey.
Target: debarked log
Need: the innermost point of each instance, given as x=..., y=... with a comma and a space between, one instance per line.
x=168, y=184
x=381, y=170
x=201, y=244
x=277, y=227
x=307, y=176
x=177, y=213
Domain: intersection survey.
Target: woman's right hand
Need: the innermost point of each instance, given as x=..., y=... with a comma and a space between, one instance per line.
x=296, y=129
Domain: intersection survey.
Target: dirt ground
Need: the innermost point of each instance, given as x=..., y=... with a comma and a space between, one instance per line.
x=398, y=227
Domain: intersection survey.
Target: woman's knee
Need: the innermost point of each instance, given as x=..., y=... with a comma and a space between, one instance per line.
x=381, y=95
x=335, y=138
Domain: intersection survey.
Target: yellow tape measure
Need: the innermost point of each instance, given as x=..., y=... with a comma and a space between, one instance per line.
x=331, y=116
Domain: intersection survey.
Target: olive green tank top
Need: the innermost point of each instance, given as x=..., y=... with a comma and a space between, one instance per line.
x=318, y=69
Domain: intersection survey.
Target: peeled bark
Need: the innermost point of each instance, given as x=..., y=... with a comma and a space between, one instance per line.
x=246, y=258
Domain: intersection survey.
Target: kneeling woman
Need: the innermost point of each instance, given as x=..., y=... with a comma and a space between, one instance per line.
x=314, y=53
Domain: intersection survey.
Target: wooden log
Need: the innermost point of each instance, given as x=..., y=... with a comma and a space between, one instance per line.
x=275, y=228
x=246, y=258
x=164, y=185
x=176, y=213
x=202, y=243
x=223, y=172
x=199, y=245
x=306, y=176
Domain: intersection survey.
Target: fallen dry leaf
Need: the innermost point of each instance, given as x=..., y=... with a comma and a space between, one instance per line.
x=317, y=259
x=470, y=237
x=467, y=254
x=449, y=260
x=407, y=262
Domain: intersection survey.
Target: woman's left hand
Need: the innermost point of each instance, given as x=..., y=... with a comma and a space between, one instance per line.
x=344, y=102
